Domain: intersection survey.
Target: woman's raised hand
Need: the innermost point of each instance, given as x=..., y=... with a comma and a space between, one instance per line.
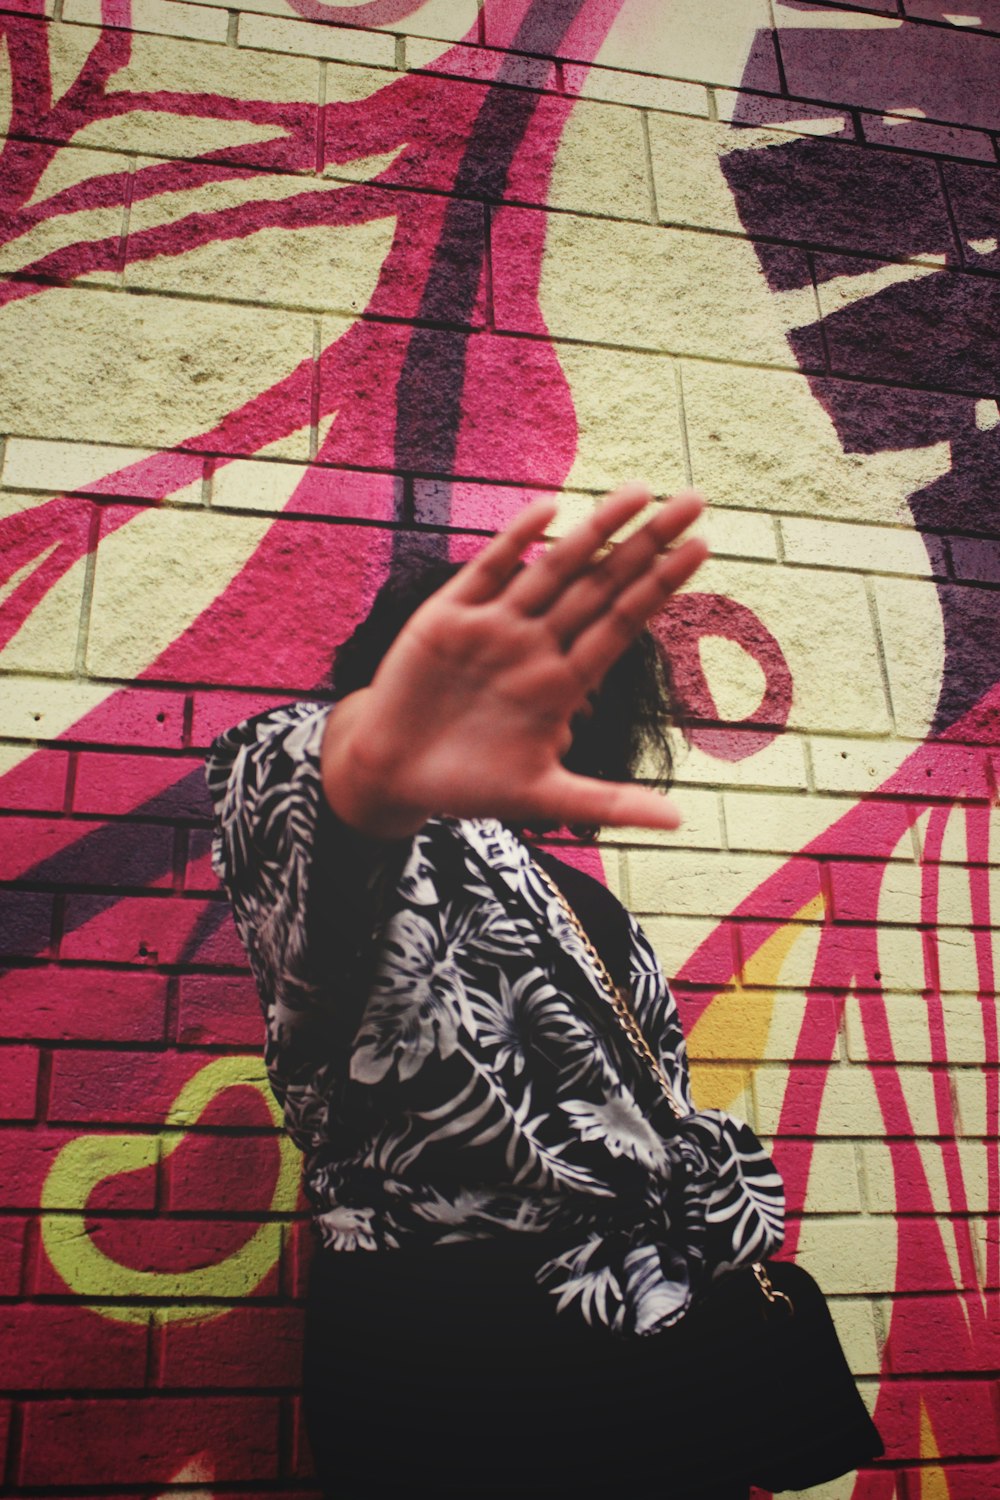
x=469, y=712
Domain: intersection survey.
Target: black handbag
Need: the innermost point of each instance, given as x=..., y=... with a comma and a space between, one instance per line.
x=793, y=1415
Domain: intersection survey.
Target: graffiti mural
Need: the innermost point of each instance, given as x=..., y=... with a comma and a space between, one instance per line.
x=291, y=290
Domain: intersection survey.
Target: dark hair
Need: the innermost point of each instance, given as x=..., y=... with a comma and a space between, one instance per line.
x=634, y=708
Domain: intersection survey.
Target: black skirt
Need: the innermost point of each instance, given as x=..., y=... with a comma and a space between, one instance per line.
x=449, y=1370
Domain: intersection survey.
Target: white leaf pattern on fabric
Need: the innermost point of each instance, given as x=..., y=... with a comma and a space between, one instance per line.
x=442, y=1076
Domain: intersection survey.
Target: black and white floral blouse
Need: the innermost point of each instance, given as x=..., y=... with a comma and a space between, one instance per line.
x=446, y=1058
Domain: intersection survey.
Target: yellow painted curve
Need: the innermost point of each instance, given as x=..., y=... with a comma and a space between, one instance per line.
x=88, y=1160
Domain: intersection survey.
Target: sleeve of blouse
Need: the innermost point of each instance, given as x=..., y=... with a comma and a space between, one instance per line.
x=304, y=887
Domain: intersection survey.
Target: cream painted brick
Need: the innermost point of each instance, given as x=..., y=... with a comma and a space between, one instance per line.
x=779, y=763
x=823, y=626
x=958, y=962
x=966, y=1023
x=688, y=883
x=688, y=293
x=638, y=89
x=687, y=156
x=701, y=828
x=627, y=418
x=863, y=549
x=913, y=648
x=325, y=268
x=899, y=897
x=974, y=1158
x=149, y=371
x=250, y=484
x=47, y=640
x=755, y=820
x=833, y=1185
x=953, y=848
x=760, y=440
x=850, y=1105
x=203, y=23
x=338, y=43
x=483, y=63
x=849, y=1255
x=45, y=708
x=163, y=63
x=600, y=166
x=450, y=20
x=675, y=939
x=738, y=533
x=146, y=593
x=971, y=1096
x=848, y=765
x=707, y=40
x=901, y=959
x=854, y=1320
x=30, y=464
x=791, y=963
x=63, y=230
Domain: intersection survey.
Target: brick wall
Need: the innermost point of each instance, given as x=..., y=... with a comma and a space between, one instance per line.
x=291, y=288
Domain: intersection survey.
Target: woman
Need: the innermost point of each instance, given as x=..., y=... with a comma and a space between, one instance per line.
x=514, y=1222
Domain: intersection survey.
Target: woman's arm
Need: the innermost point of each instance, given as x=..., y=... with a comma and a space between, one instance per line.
x=469, y=713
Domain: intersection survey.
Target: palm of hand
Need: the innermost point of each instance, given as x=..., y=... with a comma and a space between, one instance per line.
x=469, y=713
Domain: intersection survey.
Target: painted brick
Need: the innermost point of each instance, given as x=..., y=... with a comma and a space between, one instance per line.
x=844, y=765
x=985, y=14
x=302, y=1459
x=203, y=23
x=919, y=135
x=751, y=1026
x=733, y=533
x=755, y=820
x=161, y=373
x=974, y=195
x=45, y=709
x=639, y=89
x=13, y=1233
x=173, y=1251
x=26, y=1157
x=299, y=1249
x=488, y=507
x=672, y=307
x=25, y=923
x=961, y=1416
x=781, y=443
x=144, y=930
x=828, y=1173
x=5, y=1417
x=50, y=464
x=293, y=489
x=938, y=1324
x=899, y=895
x=218, y=1011
x=848, y=1102
x=781, y=114
x=701, y=826
x=916, y=1028
x=765, y=762
x=720, y=1086
x=250, y=1346
x=339, y=43
x=121, y=1442
x=83, y=1005
x=693, y=884
x=213, y=1174
x=152, y=785
x=483, y=63
x=971, y=1193
x=943, y=73
x=18, y=1081
x=707, y=41
x=78, y=852
x=860, y=548
x=198, y=873
x=69, y=1348
x=975, y=1090
x=215, y=712
x=600, y=166
x=912, y=655
x=139, y=1088
x=36, y=783
x=974, y=560
x=677, y=943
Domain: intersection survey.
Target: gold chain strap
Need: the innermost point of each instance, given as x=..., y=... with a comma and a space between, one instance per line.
x=625, y=1017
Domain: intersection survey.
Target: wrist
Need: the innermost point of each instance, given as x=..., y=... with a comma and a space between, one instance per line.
x=357, y=779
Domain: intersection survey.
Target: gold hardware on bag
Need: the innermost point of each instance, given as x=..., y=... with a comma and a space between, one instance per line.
x=625, y=1017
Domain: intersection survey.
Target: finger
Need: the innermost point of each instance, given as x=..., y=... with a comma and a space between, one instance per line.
x=591, y=595
x=534, y=589
x=492, y=568
x=597, y=647
x=565, y=800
